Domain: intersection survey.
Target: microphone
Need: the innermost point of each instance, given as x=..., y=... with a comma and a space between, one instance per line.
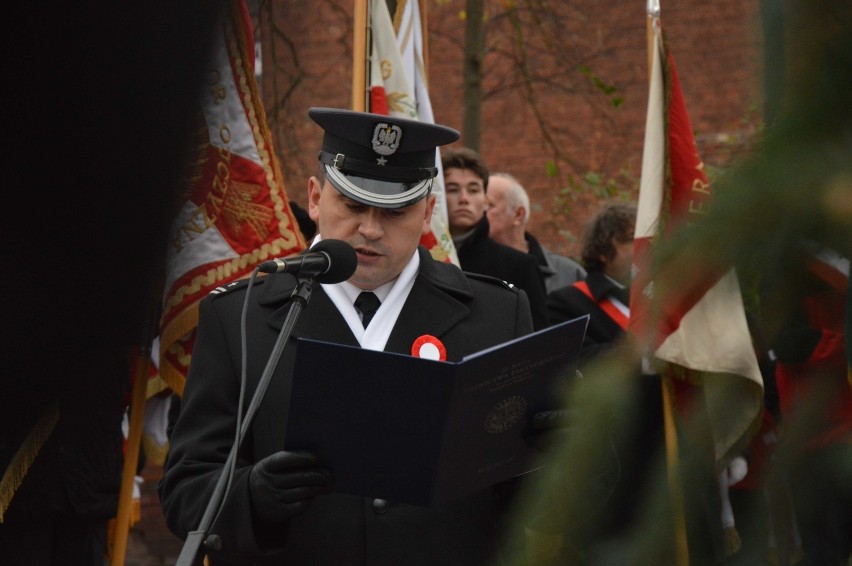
x=330, y=261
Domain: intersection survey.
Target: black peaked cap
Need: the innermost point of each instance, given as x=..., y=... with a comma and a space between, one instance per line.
x=379, y=160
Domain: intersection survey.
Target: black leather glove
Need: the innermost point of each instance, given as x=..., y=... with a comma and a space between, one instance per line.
x=284, y=484
x=548, y=427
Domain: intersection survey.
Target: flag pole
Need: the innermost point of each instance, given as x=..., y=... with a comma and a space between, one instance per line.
x=424, y=17
x=666, y=385
x=359, y=57
x=653, y=11
x=672, y=457
x=131, y=455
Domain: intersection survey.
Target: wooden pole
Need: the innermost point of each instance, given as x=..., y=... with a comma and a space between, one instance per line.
x=672, y=461
x=424, y=36
x=359, y=57
x=131, y=456
x=650, y=38
x=669, y=425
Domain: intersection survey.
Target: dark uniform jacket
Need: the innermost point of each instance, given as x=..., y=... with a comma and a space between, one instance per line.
x=556, y=270
x=466, y=313
x=480, y=254
x=569, y=302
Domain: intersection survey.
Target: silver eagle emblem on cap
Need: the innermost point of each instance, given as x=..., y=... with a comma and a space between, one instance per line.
x=386, y=138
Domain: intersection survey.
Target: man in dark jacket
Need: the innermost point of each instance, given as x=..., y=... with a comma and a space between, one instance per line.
x=465, y=184
x=508, y=215
x=373, y=191
x=605, y=293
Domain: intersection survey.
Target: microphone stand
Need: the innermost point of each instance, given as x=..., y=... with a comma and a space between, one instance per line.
x=190, y=552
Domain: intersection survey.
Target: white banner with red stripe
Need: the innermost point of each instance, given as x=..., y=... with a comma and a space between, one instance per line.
x=700, y=327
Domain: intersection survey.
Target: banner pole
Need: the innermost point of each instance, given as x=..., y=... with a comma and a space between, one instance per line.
x=672, y=457
x=359, y=57
x=131, y=455
x=667, y=387
x=424, y=35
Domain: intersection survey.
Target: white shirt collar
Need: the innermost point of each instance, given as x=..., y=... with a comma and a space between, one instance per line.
x=381, y=291
x=392, y=295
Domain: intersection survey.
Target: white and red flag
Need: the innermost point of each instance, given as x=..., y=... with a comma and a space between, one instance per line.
x=236, y=213
x=697, y=328
x=398, y=87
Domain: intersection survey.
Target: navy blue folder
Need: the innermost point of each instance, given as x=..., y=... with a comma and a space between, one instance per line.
x=424, y=432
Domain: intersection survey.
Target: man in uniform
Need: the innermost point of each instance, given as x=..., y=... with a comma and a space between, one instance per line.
x=373, y=191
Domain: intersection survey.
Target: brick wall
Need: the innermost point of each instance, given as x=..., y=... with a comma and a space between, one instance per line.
x=715, y=45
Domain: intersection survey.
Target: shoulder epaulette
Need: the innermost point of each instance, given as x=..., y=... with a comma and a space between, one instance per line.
x=232, y=286
x=492, y=280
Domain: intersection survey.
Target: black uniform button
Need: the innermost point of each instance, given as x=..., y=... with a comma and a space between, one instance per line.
x=380, y=506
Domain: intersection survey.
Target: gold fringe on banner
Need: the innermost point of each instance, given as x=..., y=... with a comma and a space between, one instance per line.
x=25, y=456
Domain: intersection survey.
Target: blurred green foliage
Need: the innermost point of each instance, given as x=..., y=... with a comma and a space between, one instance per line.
x=795, y=185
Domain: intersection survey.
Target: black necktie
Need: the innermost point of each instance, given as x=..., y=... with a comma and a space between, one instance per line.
x=367, y=304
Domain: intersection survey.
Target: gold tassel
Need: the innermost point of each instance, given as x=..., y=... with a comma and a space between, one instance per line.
x=732, y=541
x=25, y=456
x=155, y=453
x=135, y=511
